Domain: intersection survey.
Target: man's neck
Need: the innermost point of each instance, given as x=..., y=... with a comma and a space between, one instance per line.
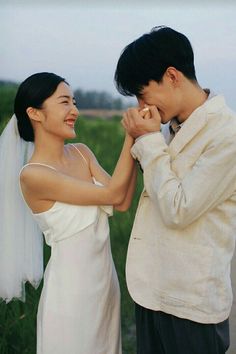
x=194, y=96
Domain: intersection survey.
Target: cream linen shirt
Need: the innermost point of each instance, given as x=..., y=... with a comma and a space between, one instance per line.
x=183, y=236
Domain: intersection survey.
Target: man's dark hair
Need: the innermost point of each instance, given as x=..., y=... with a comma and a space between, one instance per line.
x=148, y=57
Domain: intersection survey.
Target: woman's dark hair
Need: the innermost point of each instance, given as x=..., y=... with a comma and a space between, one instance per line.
x=148, y=57
x=32, y=93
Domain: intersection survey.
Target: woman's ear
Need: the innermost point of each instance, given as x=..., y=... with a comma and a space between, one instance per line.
x=34, y=114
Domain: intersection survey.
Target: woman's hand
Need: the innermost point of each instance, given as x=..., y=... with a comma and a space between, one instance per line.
x=145, y=112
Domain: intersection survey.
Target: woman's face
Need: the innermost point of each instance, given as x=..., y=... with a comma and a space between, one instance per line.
x=60, y=113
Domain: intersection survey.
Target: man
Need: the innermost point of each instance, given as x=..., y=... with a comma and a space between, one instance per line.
x=182, y=242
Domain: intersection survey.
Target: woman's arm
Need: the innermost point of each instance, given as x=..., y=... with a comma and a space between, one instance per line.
x=130, y=192
x=49, y=185
x=95, y=168
x=103, y=177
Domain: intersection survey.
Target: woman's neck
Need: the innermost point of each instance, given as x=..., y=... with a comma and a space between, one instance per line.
x=49, y=150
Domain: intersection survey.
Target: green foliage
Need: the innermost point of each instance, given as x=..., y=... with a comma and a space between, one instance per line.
x=7, y=96
x=105, y=139
x=17, y=319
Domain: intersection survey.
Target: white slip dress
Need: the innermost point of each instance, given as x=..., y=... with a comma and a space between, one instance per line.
x=79, y=307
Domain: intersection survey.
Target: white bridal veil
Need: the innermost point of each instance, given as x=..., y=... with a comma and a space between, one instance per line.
x=21, y=242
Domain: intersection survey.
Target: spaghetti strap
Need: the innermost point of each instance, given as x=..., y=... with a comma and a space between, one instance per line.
x=36, y=163
x=80, y=153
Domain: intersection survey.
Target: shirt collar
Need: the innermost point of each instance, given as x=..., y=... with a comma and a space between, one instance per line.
x=175, y=125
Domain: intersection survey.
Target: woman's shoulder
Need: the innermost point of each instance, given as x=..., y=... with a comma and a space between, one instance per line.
x=81, y=146
x=35, y=172
x=84, y=150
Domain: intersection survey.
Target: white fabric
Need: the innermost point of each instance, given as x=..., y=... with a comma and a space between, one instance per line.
x=21, y=242
x=183, y=237
x=79, y=308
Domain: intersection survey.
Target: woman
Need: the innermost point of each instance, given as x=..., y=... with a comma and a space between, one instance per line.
x=70, y=197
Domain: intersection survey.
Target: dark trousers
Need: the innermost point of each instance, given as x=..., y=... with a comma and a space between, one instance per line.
x=161, y=333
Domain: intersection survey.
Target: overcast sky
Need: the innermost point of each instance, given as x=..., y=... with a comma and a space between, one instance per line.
x=82, y=40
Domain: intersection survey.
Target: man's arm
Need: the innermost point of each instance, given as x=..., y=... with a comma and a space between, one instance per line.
x=182, y=201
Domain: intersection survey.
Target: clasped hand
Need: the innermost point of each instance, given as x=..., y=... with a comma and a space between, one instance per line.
x=140, y=121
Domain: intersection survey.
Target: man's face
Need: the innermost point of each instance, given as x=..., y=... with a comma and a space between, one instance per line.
x=164, y=95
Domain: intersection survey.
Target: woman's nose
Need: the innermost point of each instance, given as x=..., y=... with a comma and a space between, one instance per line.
x=75, y=110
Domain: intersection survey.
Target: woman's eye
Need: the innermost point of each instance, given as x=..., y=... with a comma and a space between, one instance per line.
x=65, y=102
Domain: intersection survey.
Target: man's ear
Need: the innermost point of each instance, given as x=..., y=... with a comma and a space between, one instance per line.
x=173, y=75
x=34, y=114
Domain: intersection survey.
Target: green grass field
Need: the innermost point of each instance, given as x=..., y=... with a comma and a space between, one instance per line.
x=17, y=319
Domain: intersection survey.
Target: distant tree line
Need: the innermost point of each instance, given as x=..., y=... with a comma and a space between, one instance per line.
x=97, y=100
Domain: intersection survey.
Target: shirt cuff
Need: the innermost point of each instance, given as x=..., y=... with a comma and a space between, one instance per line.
x=146, y=143
x=142, y=136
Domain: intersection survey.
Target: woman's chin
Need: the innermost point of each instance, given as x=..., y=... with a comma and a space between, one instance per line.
x=66, y=134
x=72, y=135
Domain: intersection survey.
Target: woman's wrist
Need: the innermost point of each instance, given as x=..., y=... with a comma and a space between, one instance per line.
x=129, y=138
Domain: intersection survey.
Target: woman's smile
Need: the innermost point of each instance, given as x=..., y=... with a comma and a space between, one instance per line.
x=70, y=122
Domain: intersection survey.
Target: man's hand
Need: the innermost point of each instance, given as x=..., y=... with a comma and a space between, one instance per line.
x=138, y=121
